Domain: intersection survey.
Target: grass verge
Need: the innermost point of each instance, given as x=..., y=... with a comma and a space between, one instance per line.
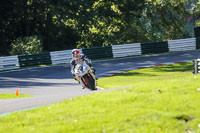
x=10, y=96
x=163, y=99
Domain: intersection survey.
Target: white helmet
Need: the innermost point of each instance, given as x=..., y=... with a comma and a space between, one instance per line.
x=75, y=53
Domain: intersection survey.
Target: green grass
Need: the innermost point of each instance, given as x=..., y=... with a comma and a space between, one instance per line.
x=139, y=109
x=9, y=96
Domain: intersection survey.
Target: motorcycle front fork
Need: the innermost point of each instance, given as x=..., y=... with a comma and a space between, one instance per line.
x=81, y=82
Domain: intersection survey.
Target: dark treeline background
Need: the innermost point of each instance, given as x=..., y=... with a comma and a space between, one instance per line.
x=67, y=24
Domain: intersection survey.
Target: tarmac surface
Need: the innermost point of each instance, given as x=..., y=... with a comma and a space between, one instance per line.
x=53, y=84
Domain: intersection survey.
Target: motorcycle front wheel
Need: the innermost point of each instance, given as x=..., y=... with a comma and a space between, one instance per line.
x=89, y=82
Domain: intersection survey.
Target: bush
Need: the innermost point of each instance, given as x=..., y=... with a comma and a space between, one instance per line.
x=26, y=45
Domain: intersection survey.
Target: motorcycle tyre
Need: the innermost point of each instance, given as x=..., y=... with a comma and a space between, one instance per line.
x=90, y=84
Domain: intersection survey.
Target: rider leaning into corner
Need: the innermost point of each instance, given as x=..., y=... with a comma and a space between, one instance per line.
x=77, y=57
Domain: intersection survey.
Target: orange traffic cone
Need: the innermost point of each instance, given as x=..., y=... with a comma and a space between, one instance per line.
x=17, y=92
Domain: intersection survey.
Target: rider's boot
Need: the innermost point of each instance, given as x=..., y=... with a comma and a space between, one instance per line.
x=83, y=87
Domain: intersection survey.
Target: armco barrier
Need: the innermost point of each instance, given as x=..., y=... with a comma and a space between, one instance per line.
x=182, y=44
x=9, y=62
x=198, y=43
x=59, y=57
x=196, y=66
x=98, y=52
x=197, y=32
x=126, y=50
x=35, y=59
x=154, y=47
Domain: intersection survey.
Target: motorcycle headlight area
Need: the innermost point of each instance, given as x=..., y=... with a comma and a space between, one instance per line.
x=86, y=68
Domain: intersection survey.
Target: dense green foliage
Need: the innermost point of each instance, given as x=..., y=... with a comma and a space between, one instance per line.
x=197, y=14
x=66, y=24
x=26, y=45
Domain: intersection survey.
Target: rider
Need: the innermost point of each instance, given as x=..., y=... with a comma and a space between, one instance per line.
x=77, y=57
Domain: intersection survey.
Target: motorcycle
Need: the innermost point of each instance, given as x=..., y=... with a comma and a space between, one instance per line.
x=85, y=75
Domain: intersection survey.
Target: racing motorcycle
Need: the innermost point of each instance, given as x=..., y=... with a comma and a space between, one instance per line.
x=85, y=75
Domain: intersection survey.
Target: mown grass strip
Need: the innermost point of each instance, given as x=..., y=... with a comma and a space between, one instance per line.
x=162, y=99
x=10, y=96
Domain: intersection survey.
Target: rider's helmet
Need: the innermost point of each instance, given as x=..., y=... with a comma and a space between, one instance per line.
x=75, y=54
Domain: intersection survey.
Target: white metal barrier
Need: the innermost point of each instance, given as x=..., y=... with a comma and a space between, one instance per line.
x=126, y=50
x=182, y=44
x=59, y=57
x=9, y=62
x=196, y=66
x=123, y=50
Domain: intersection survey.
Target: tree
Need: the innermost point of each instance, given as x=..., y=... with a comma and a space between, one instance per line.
x=66, y=24
x=26, y=45
x=166, y=19
x=27, y=17
x=102, y=22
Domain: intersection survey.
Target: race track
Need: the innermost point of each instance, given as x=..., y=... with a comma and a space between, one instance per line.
x=54, y=83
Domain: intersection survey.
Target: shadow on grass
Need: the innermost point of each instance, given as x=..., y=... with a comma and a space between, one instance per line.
x=134, y=74
x=184, y=118
x=179, y=67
